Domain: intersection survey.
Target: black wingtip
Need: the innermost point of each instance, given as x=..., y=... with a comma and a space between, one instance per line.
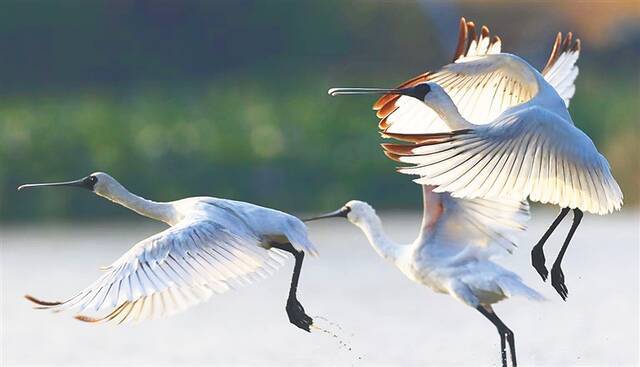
x=41, y=302
x=88, y=319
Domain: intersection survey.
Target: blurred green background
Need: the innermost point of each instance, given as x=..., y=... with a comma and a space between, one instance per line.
x=228, y=99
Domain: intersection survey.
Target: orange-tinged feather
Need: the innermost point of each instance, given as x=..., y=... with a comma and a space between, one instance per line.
x=462, y=40
x=393, y=157
x=387, y=109
x=41, y=302
x=84, y=318
x=388, y=97
x=484, y=31
x=383, y=124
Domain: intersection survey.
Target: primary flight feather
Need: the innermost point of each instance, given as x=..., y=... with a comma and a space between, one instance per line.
x=211, y=246
x=489, y=125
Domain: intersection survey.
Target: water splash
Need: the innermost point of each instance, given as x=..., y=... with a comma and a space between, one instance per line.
x=335, y=331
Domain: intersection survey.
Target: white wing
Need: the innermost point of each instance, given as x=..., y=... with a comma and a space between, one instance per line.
x=561, y=70
x=487, y=225
x=173, y=270
x=533, y=153
x=479, y=98
x=481, y=90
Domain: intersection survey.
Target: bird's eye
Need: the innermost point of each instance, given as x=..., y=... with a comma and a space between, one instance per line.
x=93, y=179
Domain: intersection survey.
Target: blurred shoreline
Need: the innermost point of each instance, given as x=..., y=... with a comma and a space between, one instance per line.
x=180, y=99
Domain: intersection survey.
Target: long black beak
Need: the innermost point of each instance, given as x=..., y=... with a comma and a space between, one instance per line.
x=83, y=182
x=342, y=212
x=356, y=91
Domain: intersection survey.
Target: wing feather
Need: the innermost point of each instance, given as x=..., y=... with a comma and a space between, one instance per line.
x=485, y=227
x=561, y=70
x=480, y=98
x=171, y=271
x=402, y=114
x=527, y=139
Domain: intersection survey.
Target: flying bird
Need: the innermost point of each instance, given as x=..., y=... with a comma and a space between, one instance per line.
x=452, y=253
x=489, y=125
x=211, y=246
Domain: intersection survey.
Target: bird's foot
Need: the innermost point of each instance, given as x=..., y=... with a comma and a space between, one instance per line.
x=557, y=281
x=537, y=260
x=297, y=316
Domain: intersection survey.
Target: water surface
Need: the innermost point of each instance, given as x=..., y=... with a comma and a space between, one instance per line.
x=385, y=319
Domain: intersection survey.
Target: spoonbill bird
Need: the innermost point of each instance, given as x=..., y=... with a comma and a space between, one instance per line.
x=451, y=253
x=212, y=245
x=489, y=125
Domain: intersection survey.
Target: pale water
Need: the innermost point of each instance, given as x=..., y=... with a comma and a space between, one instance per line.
x=370, y=306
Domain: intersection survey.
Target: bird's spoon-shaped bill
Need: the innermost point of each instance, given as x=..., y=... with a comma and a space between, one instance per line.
x=342, y=212
x=83, y=182
x=356, y=91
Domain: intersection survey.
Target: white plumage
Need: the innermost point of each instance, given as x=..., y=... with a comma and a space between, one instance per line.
x=489, y=125
x=532, y=153
x=479, y=98
x=528, y=128
x=452, y=253
x=211, y=246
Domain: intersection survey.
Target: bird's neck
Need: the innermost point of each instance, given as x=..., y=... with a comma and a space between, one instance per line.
x=444, y=106
x=432, y=210
x=163, y=212
x=372, y=228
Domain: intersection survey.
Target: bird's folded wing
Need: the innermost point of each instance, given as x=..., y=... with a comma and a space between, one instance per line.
x=487, y=225
x=533, y=153
x=171, y=271
x=561, y=70
x=481, y=90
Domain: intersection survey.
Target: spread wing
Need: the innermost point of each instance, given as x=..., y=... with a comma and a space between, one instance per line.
x=480, y=93
x=487, y=225
x=533, y=153
x=171, y=271
x=480, y=98
x=561, y=70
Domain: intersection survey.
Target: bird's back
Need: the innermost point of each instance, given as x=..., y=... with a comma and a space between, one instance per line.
x=464, y=275
x=452, y=254
x=270, y=225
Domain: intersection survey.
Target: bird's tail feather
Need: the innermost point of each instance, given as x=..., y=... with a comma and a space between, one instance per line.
x=515, y=287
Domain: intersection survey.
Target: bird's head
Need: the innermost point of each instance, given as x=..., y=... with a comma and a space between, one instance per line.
x=354, y=211
x=98, y=182
x=422, y=91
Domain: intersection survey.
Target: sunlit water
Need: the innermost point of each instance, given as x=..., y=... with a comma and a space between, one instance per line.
x=371, y=313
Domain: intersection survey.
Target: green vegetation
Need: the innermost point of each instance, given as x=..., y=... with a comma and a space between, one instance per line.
x=247, y=118
x=296, y=150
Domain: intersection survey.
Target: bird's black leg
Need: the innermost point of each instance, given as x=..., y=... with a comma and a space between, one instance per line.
x=295, y=311
x=505, y=334
x=557, y=276
x=537, y=253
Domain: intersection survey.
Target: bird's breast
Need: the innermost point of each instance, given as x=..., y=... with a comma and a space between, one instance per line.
x=418, y=269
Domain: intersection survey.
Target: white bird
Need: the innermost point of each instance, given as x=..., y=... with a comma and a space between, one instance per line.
x=211, y=246
x=489, y=125
x=451, y=253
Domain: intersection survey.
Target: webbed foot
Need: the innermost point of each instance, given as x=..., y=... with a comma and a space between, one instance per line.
x=557, y=281
x=297, y=316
